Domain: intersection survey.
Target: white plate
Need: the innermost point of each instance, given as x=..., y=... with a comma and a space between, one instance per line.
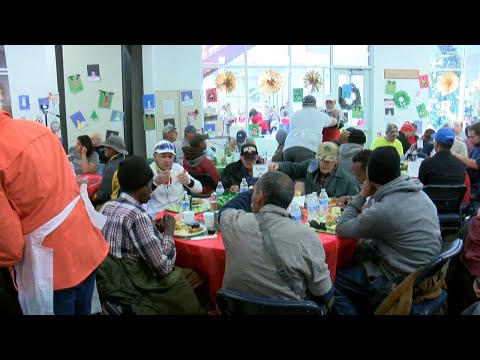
x=185, y=234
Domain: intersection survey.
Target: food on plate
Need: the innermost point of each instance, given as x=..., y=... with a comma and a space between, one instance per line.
x=330, y=220
x=332, y=201
x=337, y=210
x=182, y=229
x=198, y=201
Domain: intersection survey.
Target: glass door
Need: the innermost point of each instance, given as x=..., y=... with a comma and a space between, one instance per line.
x=352, y=89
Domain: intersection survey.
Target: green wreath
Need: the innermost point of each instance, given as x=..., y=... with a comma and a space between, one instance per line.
x=401, y=99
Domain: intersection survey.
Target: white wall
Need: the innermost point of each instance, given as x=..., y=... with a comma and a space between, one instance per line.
x=398, y=57
x=75, y=61
x=32, y=71
x=171, y=67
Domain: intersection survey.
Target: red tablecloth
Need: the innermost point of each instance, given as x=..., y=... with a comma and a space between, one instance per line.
x=208, y=256
x=92, y=180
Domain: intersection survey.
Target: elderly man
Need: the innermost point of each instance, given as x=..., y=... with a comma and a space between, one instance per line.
x=189, y=131
x=458, y=146
x=321, y=173
x=250, y=238
x=170, y=133
x=458, y=130
x=390, y=139
x=305, y=133
x=234, y=173
x=98, y=147
x=332, y=133
x=403, y=239
x=473, y=162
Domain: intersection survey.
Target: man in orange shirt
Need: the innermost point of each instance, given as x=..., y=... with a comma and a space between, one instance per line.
x=50, y=232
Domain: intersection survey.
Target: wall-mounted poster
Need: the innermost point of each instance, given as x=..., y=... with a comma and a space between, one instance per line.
x=169, y=121
x=111, y=132
x=422, y=110
x=423, y=80
x=297, y=95
x=105, y=99
x=43, y=103
x=116, y=119
x=253, y=130
x=75, y=83
x=148, y=122
x=148, y=102
x=24, y=102
x=211, y=95
x=93, y=72
x=186, y=98
x=78, y=120
x=390, y=87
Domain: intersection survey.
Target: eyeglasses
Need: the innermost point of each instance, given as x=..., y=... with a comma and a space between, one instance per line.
x=165, y=146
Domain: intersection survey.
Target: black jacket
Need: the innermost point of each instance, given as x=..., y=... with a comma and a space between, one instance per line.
x=442, y=169
x=232, y=174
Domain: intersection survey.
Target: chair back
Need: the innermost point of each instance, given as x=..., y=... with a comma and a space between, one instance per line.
x=205, y=180
x=235, y=303
x=447, y=198
x=436, y=264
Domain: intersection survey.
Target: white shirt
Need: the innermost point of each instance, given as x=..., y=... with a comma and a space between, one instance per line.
x=306, y=126
x=172, y=194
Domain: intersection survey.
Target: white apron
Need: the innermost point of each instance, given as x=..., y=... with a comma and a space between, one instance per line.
x=34, y=273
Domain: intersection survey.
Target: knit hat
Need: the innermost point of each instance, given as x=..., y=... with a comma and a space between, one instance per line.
x=134, y=173
x=383, y=165
x=406, y=127
x=197, y=139
x=357, y=137
x=281, y=136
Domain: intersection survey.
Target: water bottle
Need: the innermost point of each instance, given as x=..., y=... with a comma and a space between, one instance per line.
x=312, y=207
x=220, y=190
x=236, y=154
x=243, y=185
x=296, y=213
x=73, y=168
x=323, y=203
x=185, y=202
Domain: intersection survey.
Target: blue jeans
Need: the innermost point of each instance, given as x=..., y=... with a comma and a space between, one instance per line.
x=354, y=292
x=76, y=300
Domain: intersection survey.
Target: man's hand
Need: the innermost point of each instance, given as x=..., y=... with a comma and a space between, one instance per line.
x=183, y=179
x=367, y=188
x=234, y=188
x=167, y=224
x=343, y=201
x=162, y=178
x=273, y=167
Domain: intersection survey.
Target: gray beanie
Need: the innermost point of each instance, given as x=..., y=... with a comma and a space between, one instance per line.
x=281, y=136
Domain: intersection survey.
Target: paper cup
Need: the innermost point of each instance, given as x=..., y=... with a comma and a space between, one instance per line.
x=209, y=218
x=188, y=217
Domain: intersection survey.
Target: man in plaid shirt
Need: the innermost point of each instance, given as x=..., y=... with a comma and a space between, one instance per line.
x=137, y=249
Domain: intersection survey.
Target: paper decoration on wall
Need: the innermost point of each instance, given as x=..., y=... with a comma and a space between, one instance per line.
x=447, y=82
x=211, y=95
x=78, y=120
x=253, y=130
x=169, y=121
x=312, y=81
x=94, y=115
x=192, y=117
x=53, y=99
x=209, y=129
x=111, y=132
x=226, y=81
x=24, y=102
x=43, y=103
x=39, y=120
x=360, y=122
x=148, y=121
x=297, y=95
x=75, y=83
x=346, y=91
x=269, y=82
x=105, y=99
x=186, y=97
x=401, y=99
x=423, y=80
x=116, y=119
x=390, y=87
x=93, y=72
x=149, y=102
x=357, y=112
x=389, y=110
x=55, y=126
x=422, y=111
x=168, y=107
x=420, y=126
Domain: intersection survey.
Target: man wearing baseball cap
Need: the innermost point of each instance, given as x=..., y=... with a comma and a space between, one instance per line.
x=189, y=131
x=321, y=173
x=234, y=173
x=332, y=133
x=390, y=139
x=239, y=140
x=115, y=152
x=443, y=168
x=305, y=131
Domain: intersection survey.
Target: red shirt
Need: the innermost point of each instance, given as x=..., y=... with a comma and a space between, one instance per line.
x=205, y=167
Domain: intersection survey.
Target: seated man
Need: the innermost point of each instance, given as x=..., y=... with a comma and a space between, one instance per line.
x=99, y=149
x=240, y=140
x=109, y=187
x=390, y=139
x=359, y=169
x=321, y=173
x=249, y=267
x=355, y=142
x=196, y=162
x=234, y=173
x=140, y=269
x=404, y=238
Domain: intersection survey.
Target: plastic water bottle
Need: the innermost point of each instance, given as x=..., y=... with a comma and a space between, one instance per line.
x=323, y=204
x=236, y=154
x=243, y=185
x=312, y=206
x=296, y=213
x=185, y=202
x=220, y=190
x=73, y=168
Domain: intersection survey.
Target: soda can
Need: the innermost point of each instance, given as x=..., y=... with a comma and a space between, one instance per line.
x=216, y=217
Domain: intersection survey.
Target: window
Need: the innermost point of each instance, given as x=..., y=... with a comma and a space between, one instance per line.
x=351, y=55
x=310, y=55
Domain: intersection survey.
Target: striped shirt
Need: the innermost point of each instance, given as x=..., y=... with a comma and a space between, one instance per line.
x=131, y=234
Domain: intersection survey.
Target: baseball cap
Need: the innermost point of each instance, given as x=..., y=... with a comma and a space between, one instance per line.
x=249, y=151
x=330, y=97
x=164, y=146
x=116, y=143
x=168, y=128
x=241, y=136
x=327, y=151
x=309, y=100
x=190, y=129
x=444, y=136
x=392, y=129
